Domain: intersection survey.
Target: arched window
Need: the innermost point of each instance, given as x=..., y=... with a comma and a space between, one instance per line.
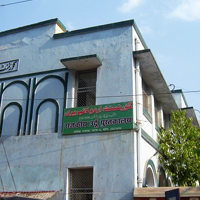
x=11, y=120
x=162, y=178
x=47, y=117
x=150, y=175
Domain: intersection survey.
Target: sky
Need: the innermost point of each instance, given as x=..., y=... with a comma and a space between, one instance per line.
x=171, y=29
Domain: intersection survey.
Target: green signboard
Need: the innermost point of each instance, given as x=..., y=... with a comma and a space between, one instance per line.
x=99, y=118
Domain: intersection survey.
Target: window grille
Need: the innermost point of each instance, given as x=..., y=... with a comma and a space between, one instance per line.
x=146, y=98
x=145, y=101
x=81, y=184
x=86, y=88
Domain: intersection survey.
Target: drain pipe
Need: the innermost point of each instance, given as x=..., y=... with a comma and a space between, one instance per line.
x=139, y=113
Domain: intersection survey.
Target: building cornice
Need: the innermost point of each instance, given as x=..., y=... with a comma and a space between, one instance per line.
x=102, y=28
x=33, y=26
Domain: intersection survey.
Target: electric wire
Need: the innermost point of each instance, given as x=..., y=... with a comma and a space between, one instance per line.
x=9, y=4
x=111, y=96
x=61, y=98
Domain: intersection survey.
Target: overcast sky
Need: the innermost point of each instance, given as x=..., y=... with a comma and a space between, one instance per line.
x=170, y=28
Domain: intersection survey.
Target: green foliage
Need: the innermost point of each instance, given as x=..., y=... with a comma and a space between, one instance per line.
x=180, y=147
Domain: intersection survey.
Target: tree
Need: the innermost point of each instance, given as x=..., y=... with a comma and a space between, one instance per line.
x=180, y=150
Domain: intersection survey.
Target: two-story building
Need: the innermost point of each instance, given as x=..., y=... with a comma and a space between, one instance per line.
x=104, y=144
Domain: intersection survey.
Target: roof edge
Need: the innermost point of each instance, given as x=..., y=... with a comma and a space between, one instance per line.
x=187, y=108
x=156, y=64
x=94, y=29
x=193, y=115
x=135, y=53
x=32, y=26
x=177, y=91
x=61, y=25
x=102, y=27
x=180, y=91
x=142, y=51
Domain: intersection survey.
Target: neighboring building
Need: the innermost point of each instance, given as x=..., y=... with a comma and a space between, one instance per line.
x=182, y=104
x=44, y=69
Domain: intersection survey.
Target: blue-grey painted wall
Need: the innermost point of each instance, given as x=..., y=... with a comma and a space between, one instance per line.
x=40, y=157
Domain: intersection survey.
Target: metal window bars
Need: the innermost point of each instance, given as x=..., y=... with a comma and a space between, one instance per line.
x=86, y=89
x=81, y=184
x=147, y=102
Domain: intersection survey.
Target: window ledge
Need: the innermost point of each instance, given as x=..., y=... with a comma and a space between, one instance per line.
x=147, y=115
x=157, y=127
x=82, y=62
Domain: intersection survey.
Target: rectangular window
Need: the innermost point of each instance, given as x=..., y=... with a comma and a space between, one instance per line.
x=166, y=120
x=146, y=98
x=81, y=184
x=86, y=88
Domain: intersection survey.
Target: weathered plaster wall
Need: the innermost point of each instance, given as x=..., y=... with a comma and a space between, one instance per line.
x=40, y=162
x=27, y=46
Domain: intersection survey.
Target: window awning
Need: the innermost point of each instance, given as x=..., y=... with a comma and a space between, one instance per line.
x=82, y=62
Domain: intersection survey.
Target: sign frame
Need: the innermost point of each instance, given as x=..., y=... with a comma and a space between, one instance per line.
x=98, y=118
x=9, y=66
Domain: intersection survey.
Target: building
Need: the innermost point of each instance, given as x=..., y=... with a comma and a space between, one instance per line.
x=109, y=69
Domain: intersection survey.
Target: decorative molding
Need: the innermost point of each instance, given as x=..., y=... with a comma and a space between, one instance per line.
x=31, y=106
x=158, y=129
x=27, y=106
x=35, y=85
x=1, y=93
x=150, y=163
x=56, y=118
x=31, y=85
x=150, y=141
x=34, y=74
x=147, y=115
x=20, y=116
x=50, y=76
x=14, y=82
x=3, y=89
